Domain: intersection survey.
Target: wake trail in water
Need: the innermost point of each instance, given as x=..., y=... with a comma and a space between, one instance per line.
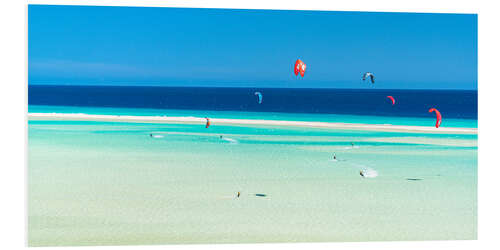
x=366, y=172
x=230, y=140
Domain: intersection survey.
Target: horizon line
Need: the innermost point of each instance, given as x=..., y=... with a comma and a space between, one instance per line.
x=237, y=87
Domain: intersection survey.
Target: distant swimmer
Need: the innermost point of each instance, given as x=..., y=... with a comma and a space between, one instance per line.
x=221, y=137
x=150, y=135
x=361, y=173
x=334, y=157
x=238, y=195
x=352, y=144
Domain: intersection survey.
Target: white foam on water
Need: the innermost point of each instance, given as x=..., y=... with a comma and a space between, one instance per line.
x=230, y=140
x=369, y=173
x=158, y=136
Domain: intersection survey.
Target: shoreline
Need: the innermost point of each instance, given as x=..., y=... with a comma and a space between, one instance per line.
x=223, y=121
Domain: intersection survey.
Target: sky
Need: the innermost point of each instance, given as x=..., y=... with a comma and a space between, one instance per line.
x=91, y=45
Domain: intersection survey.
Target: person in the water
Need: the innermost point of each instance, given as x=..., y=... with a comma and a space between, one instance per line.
x=361, y=173
x=334, y=157
x=238, y=195
x=221, y=136
x=352, y=144
x=150, y=135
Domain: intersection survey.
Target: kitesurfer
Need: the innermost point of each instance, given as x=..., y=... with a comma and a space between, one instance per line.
x=369, y=74
x=438, y=116
x=259, y=95
x=392, y=99
x=208, y=122
x=300, y=67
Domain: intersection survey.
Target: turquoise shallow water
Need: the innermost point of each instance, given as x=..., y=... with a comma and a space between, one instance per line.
x=107, y=183
x=410, y=121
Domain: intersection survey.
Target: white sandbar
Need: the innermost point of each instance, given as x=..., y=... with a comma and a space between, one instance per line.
x=220, y=121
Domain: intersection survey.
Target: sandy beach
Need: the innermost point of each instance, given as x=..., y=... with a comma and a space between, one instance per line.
x=215, y=121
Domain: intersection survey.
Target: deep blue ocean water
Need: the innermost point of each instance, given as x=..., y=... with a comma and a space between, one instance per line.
x=374, y=102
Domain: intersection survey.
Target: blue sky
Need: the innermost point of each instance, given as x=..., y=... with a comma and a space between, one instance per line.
x=76, y=45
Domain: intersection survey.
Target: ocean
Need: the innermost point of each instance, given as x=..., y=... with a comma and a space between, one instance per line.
x=118, y=183
x=460, y=104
